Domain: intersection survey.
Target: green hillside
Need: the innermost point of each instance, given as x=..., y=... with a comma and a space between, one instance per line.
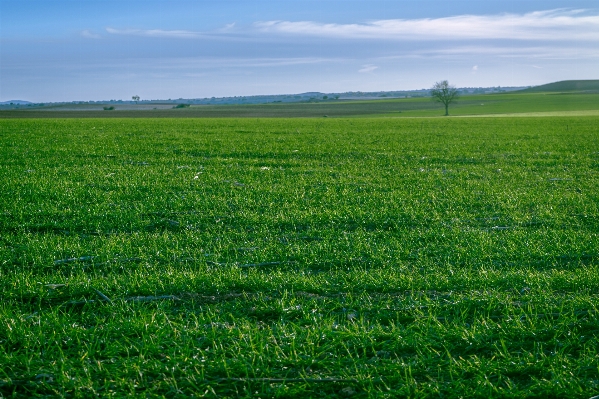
x=565, y=86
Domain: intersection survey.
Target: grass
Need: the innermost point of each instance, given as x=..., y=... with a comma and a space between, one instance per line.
x=362, y=257
x=472, y=105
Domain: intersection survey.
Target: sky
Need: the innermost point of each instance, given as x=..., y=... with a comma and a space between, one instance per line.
x=82, y=50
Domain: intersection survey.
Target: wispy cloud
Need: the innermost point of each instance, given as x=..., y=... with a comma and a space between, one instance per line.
x=158, y=33
x=243, y=63
x=228, y=26
x=556, y=51
x=552, y=25
x=227, y=32
x=368, y=68
x=475, y=69
x=260, y=62
x=175, y=66
x=89, y=35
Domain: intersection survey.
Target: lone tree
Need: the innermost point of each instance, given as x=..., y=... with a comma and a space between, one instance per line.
x=443, y=92
x=135, y=98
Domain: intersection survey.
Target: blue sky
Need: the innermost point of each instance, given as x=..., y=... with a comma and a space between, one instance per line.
x=81, y=50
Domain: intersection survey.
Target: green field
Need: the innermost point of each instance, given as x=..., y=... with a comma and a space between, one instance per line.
x=349, y=257
x=471, y=105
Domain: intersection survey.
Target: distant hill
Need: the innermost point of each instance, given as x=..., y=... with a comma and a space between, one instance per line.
x=565, y=86
x=15, y=102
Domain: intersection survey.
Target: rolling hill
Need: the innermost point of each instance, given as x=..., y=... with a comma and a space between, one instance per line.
x=565, y=86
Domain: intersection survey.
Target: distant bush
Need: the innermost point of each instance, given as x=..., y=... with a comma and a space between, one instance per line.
x=111, y=108
x=181, y=106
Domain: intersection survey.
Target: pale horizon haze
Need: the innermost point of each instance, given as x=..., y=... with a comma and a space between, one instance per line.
x=66, y=50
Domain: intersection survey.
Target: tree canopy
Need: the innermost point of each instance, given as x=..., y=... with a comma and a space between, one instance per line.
x=444, y=93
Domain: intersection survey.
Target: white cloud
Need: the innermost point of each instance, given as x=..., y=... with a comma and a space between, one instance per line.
x=561, y=51
x=231, y=62
x=195, y=64
x=475, y=69
x=175, y=34
x=89, y=35
x=551, y=25
x=558, y=25
x=368, y=68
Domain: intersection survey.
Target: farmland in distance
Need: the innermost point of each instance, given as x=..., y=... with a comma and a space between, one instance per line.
x=561, y=103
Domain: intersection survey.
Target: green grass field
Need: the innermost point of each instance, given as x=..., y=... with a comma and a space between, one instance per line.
x=349, y=257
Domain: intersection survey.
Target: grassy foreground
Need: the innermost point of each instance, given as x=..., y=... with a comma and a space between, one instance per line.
x=300, y=258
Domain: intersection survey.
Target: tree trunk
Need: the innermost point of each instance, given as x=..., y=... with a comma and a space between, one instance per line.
x=446, y=109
